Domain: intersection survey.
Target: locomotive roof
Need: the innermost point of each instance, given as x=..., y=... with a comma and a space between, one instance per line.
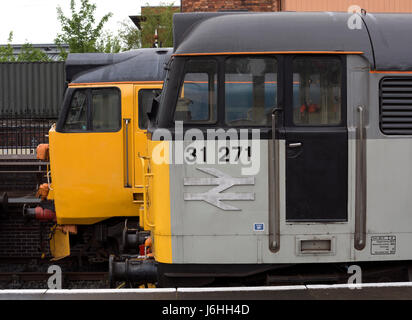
x=384, y=39
x=135, y=65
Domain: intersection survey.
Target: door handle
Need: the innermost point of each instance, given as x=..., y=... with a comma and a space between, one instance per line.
x=295, y=145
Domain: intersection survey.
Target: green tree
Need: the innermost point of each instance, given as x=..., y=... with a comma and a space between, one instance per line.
x=30, y=54
x=27, y=53
x=80, y=30
x=130, y=36
x=154, y=20
x=6, y=52
x=109, y=43
x=158, y=19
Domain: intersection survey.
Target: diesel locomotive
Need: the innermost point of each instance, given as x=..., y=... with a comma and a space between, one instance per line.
x=97, y=151
x=279, y=146
x=320, y=110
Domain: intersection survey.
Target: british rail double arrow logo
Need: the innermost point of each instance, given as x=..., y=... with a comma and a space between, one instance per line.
x=223, y=182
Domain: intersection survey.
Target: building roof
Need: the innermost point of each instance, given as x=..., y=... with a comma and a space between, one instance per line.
x=134, y=65
x=384, y=39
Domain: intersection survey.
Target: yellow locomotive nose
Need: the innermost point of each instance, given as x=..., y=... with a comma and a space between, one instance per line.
x=99, y=172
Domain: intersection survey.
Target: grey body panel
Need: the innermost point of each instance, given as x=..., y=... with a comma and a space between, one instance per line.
x=203, y=232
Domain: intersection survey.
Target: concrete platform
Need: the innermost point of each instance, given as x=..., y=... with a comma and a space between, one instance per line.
x=370, y=291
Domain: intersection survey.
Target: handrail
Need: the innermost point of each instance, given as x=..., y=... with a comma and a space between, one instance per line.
x=360, y=188
x=146, y=201
x=146, y=186
x=274, y=197
x=126, y=144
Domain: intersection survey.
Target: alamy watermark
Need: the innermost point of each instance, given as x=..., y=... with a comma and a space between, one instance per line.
x=355, y=20
x=217, y=146
x=55, y=280
x=355, y=280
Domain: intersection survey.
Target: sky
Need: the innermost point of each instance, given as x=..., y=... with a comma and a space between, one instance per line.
x=35, y=21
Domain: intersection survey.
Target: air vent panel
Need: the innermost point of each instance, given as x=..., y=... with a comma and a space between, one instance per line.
x=396, y=106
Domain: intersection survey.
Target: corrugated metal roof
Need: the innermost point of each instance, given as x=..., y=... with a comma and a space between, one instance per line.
x=35, y=87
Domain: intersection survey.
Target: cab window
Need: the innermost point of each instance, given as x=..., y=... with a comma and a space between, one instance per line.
x=250, y=90
x=197, y=101
x=76, y=119
x=317, y=90
x=97, y=110
x=146, y=97
x=105, y=110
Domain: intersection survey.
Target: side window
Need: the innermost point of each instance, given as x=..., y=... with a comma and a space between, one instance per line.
x=106, y=111
x=145, y=100
x=197, y=102
x=76, y=119
x=94, y=110
x=250, y=90
x=317, y=90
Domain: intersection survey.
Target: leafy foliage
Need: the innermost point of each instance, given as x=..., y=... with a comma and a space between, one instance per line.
x=109, y=43
x=130, y=36
x=154, y=19
x=6, y=52
x=30, y=54
x=157, y=18
x=80, y=30
x=27, y=53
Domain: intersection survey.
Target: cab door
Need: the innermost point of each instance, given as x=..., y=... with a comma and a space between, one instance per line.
x=316, y=139
x=143, y=96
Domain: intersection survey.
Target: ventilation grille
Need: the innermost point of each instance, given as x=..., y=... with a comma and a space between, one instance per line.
x=396, y=105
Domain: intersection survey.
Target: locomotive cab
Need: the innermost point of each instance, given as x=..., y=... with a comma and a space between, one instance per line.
x=270, y=144
x=98, y=148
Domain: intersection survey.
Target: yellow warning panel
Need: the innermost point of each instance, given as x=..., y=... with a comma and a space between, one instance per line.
x=59, y=243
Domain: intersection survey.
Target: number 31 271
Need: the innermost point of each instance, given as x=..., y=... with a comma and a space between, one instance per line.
x=225, y=154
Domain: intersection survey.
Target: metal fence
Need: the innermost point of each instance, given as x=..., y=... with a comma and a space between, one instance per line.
x=21, y=133
x=30, y=98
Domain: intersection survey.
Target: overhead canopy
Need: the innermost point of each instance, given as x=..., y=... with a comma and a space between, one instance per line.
x=135, y=65
x=387, y=48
